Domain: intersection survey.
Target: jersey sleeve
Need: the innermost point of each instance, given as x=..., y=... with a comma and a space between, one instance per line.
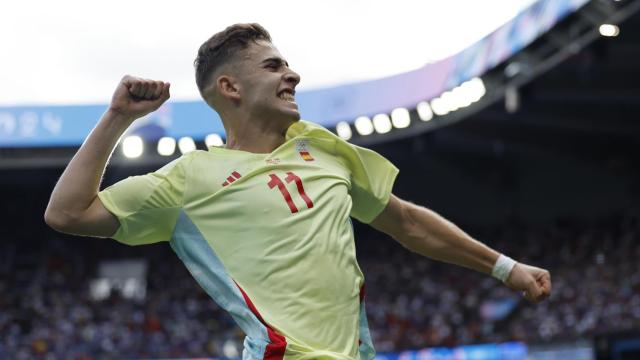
x=147, y=206
x=372, y=178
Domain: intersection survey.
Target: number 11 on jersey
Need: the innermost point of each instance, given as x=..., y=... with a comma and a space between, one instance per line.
x=275, y=181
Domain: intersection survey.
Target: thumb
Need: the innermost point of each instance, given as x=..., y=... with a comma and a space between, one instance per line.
x=532, y=291
x=165, y=92
x=543, y=280
x=164, y=95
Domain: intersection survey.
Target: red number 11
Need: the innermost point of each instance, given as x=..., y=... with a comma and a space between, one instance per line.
x=275, y=181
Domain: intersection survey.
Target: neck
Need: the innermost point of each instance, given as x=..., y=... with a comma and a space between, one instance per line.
x=256, y=137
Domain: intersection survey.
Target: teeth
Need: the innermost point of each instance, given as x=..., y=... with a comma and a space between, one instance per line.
x=287, y=96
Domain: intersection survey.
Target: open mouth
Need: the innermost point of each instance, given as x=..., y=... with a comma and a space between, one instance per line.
x=287, y=95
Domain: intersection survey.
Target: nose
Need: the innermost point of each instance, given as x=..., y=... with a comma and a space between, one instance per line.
x=292, y=78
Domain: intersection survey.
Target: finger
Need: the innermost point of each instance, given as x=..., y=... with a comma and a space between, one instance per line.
x=165, y=92
x=144, y=89
x=150, y=90
x=134, y=89
x=159, y=88
x=127, y=81
x=163, y=97
x=139, y=89
x=545, y=285
x=533, y=291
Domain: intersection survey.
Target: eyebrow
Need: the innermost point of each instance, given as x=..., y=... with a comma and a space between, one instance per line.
x=275, y=59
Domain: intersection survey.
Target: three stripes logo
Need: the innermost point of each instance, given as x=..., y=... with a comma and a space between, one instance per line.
x=234, y=176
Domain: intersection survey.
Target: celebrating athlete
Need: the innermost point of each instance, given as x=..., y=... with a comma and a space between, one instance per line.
x=263, y=223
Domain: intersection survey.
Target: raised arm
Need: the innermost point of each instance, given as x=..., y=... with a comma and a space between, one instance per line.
x=74, y=206
x=429, y=234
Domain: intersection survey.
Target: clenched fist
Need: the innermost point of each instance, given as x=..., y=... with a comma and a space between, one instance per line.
x=535, y=283
x=136, y=97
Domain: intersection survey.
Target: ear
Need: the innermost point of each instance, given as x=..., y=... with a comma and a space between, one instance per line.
x=228, y=87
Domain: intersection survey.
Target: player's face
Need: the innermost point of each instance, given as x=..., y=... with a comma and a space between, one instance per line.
x=268, y=84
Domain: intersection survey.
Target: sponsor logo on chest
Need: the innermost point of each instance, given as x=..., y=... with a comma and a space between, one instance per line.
x=272, y=161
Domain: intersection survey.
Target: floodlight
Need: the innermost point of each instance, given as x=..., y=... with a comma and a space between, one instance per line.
x=449, y=100
x=439, y=107
x=477, y=89
x=382, y=123
x=344, y=130
x=400, y=118
x=166, y=146
x=424, y=111
x=213, y=140
x=609, y=30
x=132, y=146
x=186, y=144
x=364, y=126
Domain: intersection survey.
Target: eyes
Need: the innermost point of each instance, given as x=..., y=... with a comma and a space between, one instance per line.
x=275, y=65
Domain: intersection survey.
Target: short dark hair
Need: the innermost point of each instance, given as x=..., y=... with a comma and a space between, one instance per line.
x=222, y=46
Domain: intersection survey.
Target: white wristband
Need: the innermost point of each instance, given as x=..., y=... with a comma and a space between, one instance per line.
x=503, y=267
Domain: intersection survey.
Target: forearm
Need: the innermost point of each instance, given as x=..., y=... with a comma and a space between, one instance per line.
x=79, y=184
x=430, y=235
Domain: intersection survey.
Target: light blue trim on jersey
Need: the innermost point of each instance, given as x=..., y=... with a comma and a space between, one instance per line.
x=367, y=351
x=205, y=266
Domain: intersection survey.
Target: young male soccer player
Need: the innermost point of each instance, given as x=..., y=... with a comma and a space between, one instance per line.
x=263, y=224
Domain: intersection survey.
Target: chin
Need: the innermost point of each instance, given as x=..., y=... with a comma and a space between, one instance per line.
x=286, y=115
x=293, y=115
x=291, y=111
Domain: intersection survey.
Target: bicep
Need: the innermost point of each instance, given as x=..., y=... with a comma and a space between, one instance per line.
x=96, y=221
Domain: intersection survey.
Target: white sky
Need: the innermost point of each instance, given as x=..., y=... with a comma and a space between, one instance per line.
x=72, y=51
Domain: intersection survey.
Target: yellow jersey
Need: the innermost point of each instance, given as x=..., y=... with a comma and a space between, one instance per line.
x=269, y=236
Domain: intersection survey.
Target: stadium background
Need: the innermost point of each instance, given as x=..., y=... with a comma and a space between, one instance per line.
x=540, y=160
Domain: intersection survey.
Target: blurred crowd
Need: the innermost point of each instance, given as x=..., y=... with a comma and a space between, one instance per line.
x=412, y=302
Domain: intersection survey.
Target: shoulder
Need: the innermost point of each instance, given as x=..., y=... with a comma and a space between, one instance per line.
x=309, y=129
x=179, y=165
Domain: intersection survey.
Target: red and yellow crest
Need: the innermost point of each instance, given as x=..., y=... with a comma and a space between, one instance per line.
x=301, y=147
